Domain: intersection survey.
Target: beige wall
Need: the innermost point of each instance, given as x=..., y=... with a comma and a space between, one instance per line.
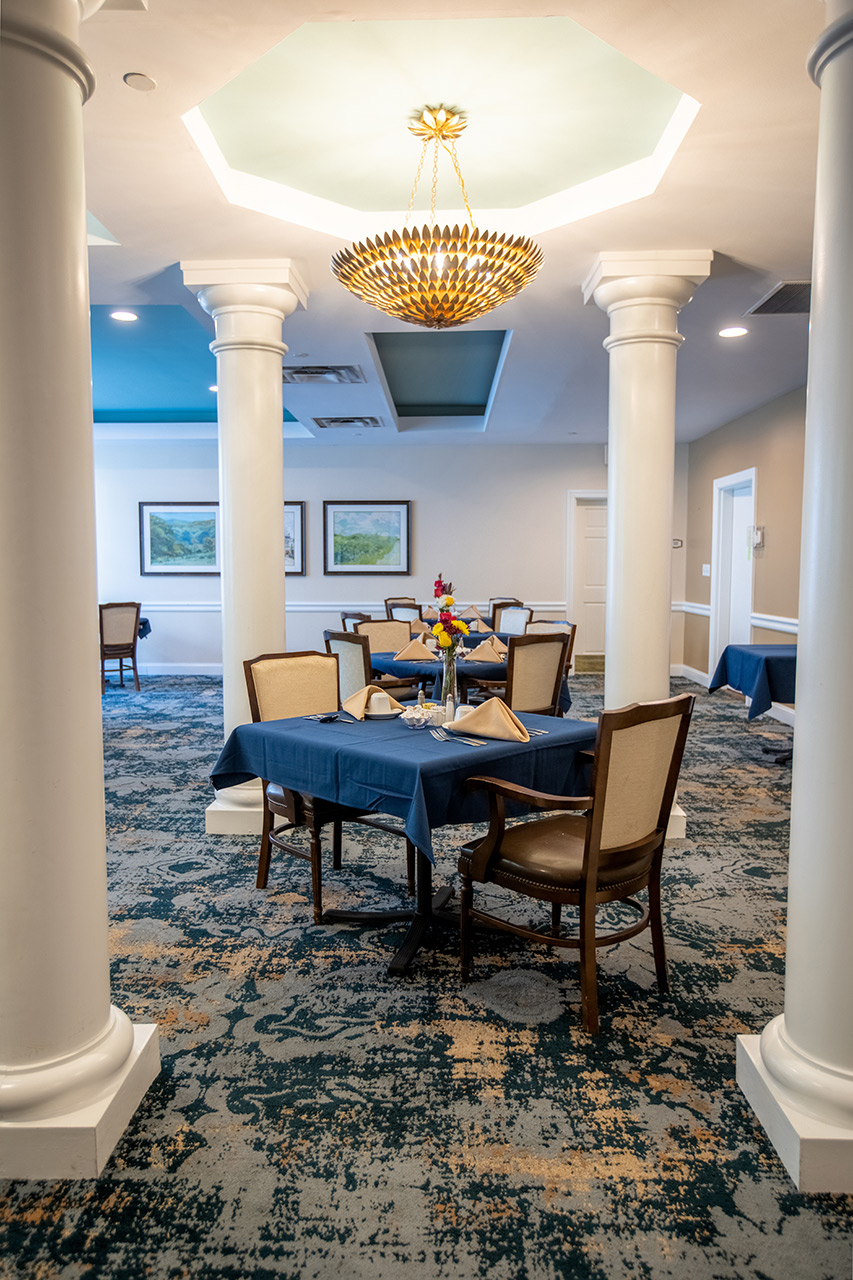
x=770, y=439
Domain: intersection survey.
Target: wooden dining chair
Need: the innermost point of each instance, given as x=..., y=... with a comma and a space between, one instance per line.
x=119, y=627
x=354, y=670
x=599, y=848
x=402, y=602
x=281, y=686
x=550, y=628
x=535, y=669
x=498, y=602
x=512, y=619
x=350, y=617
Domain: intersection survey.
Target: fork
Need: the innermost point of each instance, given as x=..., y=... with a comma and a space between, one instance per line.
x=441, y=735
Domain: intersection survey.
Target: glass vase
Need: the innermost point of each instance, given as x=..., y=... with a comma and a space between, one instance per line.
x=449, y=688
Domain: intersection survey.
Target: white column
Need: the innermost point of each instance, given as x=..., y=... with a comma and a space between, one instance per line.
x=798, y=1076
x=73, y=1068
x=248, y=302
x=642, y=294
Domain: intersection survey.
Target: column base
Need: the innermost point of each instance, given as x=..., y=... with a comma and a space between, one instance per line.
x=236, y=811
x=818, y=1156
x=79, y=1143
x=676, y=828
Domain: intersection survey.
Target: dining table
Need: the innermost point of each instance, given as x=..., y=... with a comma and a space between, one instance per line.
x=466, y=669
x=765, y=673
x=382, y=766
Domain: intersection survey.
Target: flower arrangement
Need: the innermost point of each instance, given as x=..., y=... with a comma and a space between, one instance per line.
x=449, y=632
x=442, y=588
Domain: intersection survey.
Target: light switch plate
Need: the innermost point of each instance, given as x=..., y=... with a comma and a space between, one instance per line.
x=706, y=571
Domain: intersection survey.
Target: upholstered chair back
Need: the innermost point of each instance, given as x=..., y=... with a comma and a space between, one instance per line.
x=283, y=685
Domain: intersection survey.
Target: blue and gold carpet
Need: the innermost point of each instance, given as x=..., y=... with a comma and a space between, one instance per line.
x=316, y=1119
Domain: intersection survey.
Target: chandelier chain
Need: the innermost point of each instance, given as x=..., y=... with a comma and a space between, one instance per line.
x=433, y=196
x=417, y=180
x=451, y=151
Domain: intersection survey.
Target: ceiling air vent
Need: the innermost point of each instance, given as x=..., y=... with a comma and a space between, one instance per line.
x=788, y=298
x=293, y=373
x=348, y=423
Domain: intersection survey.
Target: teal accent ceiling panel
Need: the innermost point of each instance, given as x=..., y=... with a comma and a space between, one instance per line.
x=440, y=375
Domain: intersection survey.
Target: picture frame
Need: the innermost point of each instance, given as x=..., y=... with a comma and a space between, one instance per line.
x=294, y=539
x=179, y=539
x=362, y=537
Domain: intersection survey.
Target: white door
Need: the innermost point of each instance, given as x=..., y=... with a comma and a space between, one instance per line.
x=590, y=575
x=731, y=562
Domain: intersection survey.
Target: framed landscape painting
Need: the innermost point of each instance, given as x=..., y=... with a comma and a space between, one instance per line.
x=294, y=537
x=178, y=538
x=366, y=537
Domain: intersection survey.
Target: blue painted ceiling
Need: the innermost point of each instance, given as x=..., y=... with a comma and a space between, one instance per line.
x=158, y=368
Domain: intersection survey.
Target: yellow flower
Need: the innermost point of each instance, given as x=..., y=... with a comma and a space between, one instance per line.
x=444, y=640
x=438, y=629
x=463, y=626
x=449, y=601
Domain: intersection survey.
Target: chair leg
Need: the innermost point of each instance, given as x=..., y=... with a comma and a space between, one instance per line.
x=135, y=672
x=337, y=844
x=316, y=872
x=556, y=914
x=466, y=901
x=121, y=672
x=656, y=926
x=589, y=981
x=266, y=848
x=410, y=867
x=103, y=677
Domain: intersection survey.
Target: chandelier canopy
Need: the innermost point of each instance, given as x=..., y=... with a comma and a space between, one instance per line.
x=433, y=276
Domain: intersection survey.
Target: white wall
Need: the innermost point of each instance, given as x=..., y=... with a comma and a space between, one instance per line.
x=490, y=517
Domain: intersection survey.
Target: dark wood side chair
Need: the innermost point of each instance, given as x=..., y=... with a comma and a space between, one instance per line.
x=403, y=602
x=119, y=622
x=549, y=628
x=354, y=668
x=281, y=685
x=385, y=635
x=535, y=669
x=497, y=602
x=602, y=847
x=512, y=618
x=349, y=618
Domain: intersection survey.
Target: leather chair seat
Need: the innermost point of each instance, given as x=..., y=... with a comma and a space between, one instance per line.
x=549, y=853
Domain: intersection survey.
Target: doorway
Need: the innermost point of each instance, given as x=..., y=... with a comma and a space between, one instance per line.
x=587, y=576
x=731, y=562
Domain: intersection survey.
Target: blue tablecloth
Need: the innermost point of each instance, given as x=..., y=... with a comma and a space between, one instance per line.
x=381, y=766
x=144, y=628
x=766, y=673
x=391, y=666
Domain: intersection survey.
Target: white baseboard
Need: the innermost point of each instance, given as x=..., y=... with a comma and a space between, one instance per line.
x=179, y=669
x=690, y=673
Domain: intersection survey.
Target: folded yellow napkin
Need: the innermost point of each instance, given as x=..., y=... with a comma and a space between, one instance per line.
x=499, y=646
x=430, y=612
x=419, y=628
x=356, y=703
x=485, y=652
x=415, y=651
x=471, y=612
x=479, y=625
x=492, y=719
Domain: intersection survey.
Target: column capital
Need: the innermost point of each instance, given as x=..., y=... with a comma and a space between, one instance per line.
x=246, y=281
x=666, y=271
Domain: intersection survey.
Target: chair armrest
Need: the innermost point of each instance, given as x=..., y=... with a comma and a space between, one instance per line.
x=525, y=795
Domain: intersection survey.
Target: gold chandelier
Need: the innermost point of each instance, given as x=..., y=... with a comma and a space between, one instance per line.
x=432, y=276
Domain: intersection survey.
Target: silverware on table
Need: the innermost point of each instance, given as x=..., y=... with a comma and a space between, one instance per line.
x=441, y=735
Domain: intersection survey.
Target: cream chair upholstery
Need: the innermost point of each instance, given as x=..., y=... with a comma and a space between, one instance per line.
x=385, y=635
x=405, y=612
x=349, y=618
x=512, y=619
x=594, y=849
x=119, y=627
x=293, y=684
x=569, y=629
x=403, y=602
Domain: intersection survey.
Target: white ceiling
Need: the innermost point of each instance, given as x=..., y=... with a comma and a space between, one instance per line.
x=741, y=184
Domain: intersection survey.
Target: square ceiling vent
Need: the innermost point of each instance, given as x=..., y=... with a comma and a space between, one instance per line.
x=347, y=424
x=313, y=373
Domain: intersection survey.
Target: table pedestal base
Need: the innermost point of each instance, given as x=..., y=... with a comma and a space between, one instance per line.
x=428, y=912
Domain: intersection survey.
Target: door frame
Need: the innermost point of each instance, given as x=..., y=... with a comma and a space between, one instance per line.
x=573, y=497
x=720, y=581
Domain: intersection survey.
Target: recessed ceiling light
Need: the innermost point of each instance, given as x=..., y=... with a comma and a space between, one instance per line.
x=213, y=388
x=124, y=316
x=733, y=331
x=140, y=81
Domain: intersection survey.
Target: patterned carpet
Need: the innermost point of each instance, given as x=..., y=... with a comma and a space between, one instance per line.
x=315, y=1118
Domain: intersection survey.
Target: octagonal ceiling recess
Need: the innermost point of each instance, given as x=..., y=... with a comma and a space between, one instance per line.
x=561, y=125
